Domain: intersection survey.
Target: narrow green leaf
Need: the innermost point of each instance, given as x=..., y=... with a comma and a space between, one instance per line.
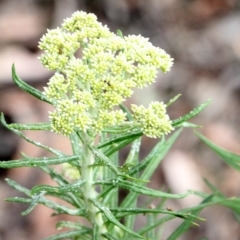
x=69, y=235
x=113, y=220
x=111, y=198
x=109, y=236
x=150, y=220
x=73, y=187
x=33, y=204
x=60, y=208
x=153, y=161
x=95, y=232
x=106, y=195
x=76, y=144
x=228, y=157
x=55, y=176
x=118, y=129
x=119, y=146
x=188, y=223
x=67, y=197
x=126, y=110
x=121, y=138
x=68, y=224
x=38, y=144
x=27, y=88
x=107, y=162
x=180, y=230
x=216, y=199
x=173, y=100
x=157, y=223
x=132, y=158
x=234, y=204
x=191, y=114
x=158, y=148
x=188, y=125
x=208, y=201
x=127, y=211
x=58, y=178
x=17, y=186
x=119, y=33
x=158, y=157
x=133, y=187
x=34, y=126
x=37, y=162
x=213, y=188
x=18, y=199
x=108, y=174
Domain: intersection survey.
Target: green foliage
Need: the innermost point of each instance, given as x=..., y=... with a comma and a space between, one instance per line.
x=229, y=158
x=132, y=176
x=84, y=104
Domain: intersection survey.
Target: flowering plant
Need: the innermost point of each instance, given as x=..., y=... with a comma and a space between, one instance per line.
x=95, y=71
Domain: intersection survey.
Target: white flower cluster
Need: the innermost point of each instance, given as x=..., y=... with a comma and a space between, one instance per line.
x=86, y=91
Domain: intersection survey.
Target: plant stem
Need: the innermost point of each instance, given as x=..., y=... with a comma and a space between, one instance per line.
x=89, y=192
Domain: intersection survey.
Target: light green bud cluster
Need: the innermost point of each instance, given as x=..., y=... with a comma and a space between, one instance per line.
x=87, y=90
x=153, y=120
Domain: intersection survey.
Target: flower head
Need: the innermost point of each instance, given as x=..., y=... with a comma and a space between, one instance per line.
x=153, y=120
x=86, y=91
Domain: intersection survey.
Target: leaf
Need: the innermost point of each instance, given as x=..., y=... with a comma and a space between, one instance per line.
x=150, y=221
x=228, y=157
x=68, y=224
x=74, y=187
x=129, y=136
x=69, y=235
x=106, y=161
x=38, y=144
x=27, y=88
x=60, y=209
x=173, y=100
x=57, y=177
x=107, y=173
x=18, y=199
x=126, y=211
x=37, y=162
x=76, y=144
x=95, y=232
x=128, y=113
x=158, y=148
x=33, y=204
x=150, y=164
x=193, y=113
x=188, y=125
x=109, y=236
x=112, y=218
x=119, y=33
x=187, y=224
x=33, y=126
x=105, y=195
x=133, y=157
x=137, y=188
x=208, y=201
x=17, y=186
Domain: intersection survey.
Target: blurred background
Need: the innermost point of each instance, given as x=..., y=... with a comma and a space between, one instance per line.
x=203, y=36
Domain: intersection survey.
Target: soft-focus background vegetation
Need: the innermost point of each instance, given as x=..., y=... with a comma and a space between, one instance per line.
x=203, y=36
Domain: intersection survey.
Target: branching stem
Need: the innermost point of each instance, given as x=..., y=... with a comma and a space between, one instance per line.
x=89, y=192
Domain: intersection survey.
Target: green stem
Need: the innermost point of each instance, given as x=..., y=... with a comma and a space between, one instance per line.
x=89, y=192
